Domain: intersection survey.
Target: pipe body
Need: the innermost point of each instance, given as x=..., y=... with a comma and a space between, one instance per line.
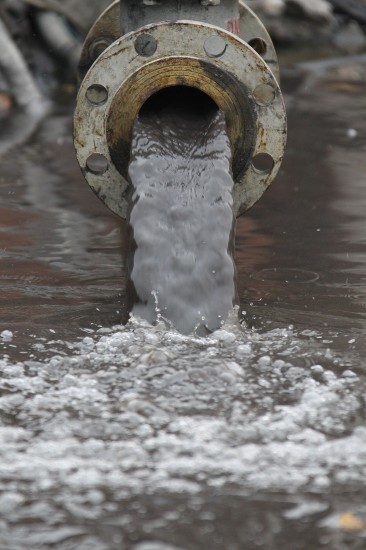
x=138, y=13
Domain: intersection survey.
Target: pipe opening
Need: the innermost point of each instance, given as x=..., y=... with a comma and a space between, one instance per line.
x=182, y=100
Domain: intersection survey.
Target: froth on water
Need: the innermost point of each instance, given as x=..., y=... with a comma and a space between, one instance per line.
x=181, y=212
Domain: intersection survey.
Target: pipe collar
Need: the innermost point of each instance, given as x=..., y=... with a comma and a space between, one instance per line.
x=185, y=53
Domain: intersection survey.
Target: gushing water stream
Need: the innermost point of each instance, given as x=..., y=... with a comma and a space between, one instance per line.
x=181, y=214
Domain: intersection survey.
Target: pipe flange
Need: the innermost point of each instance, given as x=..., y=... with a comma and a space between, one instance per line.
x=205, y=57
x=107, y=30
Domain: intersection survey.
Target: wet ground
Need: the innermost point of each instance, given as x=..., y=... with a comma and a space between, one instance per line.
x=117, y=437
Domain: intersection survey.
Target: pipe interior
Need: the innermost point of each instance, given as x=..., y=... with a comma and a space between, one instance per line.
x=181, y=98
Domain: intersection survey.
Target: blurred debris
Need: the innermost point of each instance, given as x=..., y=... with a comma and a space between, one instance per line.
x=344, y=69
x=312, y=9
x=20, y=92
x=346, y=521
x=350, y=522
x=315, y=23
x=17, y=76
x=316, y=10
x=350, y=38
x=59, y=37
x=6, y=103
x=345, y=74
x=81, y=14
x=59, y=25
x=354, y=9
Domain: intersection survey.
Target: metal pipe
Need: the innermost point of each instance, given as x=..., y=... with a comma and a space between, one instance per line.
x=120, y=71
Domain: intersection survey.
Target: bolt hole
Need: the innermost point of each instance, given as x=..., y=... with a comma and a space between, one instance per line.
x=98, y=46
x=97, y=94
x=259, y=45
x=264, y=94
x=263, y=163
x=97, y=164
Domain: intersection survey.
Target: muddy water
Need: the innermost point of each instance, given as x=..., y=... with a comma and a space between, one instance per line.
x=181, y=215
x=138, y=437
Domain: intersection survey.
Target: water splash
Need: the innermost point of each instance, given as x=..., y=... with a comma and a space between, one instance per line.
x=137, y=419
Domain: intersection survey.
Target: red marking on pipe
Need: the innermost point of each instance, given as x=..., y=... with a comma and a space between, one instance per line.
x=233, y=25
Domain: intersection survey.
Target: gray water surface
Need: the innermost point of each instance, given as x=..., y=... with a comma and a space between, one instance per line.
x=115, y=437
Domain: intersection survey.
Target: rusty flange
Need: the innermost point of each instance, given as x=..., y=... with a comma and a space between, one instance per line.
x=107, y=29
x=168, y=54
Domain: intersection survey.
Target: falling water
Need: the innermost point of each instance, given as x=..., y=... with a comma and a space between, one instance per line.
x=181, y=216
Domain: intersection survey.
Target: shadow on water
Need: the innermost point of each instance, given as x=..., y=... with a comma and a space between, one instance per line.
x=139, y=437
